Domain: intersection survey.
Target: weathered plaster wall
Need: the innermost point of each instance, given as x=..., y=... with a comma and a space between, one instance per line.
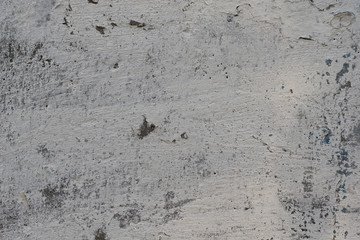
x=252, y=126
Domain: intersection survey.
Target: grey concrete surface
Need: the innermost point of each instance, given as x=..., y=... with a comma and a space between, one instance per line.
x=178, y=119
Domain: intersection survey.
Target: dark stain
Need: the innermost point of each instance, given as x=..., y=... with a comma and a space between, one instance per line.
x=100, y=29
x=169, y=195
x=9, y=213
x=45, y=152
x=290, y=205
x=171, y=216
x=116, y=65
x=203, y=172
x=346, y=85
x=37, y=47
x=328, y=62
x=100, y=235
x=291, y=91
x=93, y=1
x=187, y=6
x=136, y=23
x=306, y=213
x=327, y=134
x=184, y=135
x=20, y=65
x=343, y=162
x=130, y=216
x=43, y=9
x=197, y=164
x=169, y=204
x=345, y=69
x=11, y=136
x=55, y=194
x=356, y=133
x=308, y=186
x=113, y=24
x=145, y=129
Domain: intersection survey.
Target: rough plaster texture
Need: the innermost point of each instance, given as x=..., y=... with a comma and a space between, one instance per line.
x=179, y=119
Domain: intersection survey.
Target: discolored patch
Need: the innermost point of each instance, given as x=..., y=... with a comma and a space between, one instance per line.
x=343, y=19
x=145, y=129
x=169, y=203
x=130, y=216
x=356, y=134
x=46, y=153
x=171, y=216
x=55, y=194
x=345, y=69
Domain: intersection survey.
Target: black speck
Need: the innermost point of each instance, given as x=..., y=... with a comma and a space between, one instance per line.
x=184, y=135
x=93, y=1
x=100, y=29
x=145, y=129
x=306, y=38
x=66, y=23
x=136, y=23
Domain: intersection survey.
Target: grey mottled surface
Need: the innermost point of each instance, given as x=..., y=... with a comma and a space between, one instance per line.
x=179, y=119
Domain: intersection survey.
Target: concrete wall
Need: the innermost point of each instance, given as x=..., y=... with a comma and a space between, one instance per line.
x=179, y=119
